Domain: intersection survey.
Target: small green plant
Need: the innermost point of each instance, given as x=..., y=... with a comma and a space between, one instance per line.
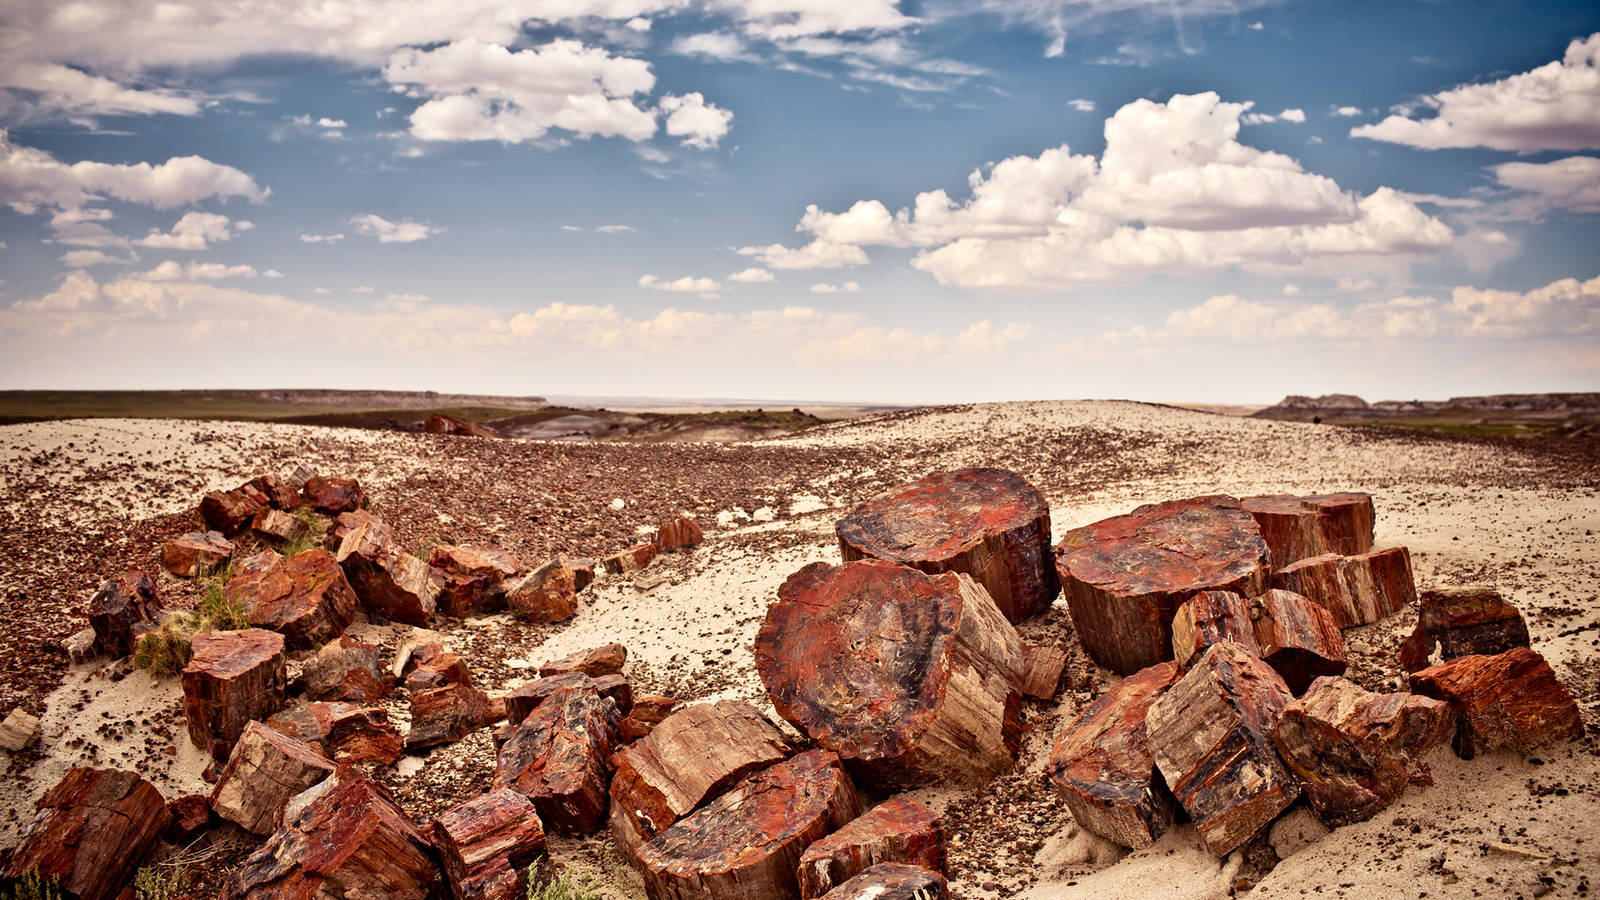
x=152, y=884
x=32, y=887
x=166, y=650
x=565, y=886
x=217, y=611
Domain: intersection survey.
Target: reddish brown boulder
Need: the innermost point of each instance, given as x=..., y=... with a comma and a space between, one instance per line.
x=1102, y=764
x=280, y=494
x=747, y=843
x=560, y=758
x=649, y=710
x=582, y=572
x=471, y=578
x=309, y=722
x=334, y=495
x=595, y=662
x=1351, y=749
x=1463, y=622
x=266, y=768
x=346, y=669
x=988, y=523
x=389, y=581
x=1126, y=576
x=347, y=522
x=630, y=560
x=444, y=715
x=1358, y=590
x=1041, y=671
x=364, y=736
x=487, y=844
x=435, y=668
x=521, y=701
x=304, y=597
x=122, y=611
x=1511, y=701
x=231, y=512
x=1297, y=528
x=278, y=526
x=892, y=881
x=232, y=678
x=1211, y=617
x=443, y=423
x=196, y=554
x=1231, y=782
x=911, y=678
x=898, y=831
x=1298, y=638
x=90, y=833
x=187, y=816
x=618, y=689
x=547, y=594
x=678, y=534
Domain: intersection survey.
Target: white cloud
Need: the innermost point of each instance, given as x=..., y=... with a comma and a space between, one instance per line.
x=387, y=232
x=321, y=238
x=788, y=19
x=1297, y=116
x=82, y=259
x=615, y=229
x=193, y=232
x=1553, y=107
x=722, y=46
x=1348, y=111
x=753, y=275
x=700, y=124
x=1256, y=26
x=1572, y=183
x=1061, y=19
x=321, y=290
x=688, y=284
x=363, y=289
x=818, y=254
x=849, y=287
x=56, y=90
x=195, y=271
x=326, y=122
x=1291, y=290
x=1081, y=105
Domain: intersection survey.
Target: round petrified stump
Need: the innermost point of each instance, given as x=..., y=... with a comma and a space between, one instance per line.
x=989, y=523
x=1125, y=577
x=911, y=678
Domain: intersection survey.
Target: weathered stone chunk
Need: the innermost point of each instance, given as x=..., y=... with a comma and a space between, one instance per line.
x=1297, y=528
x=618, y=689
x=523, y=700
x=1102, y=764
x=231, y=512
x=1125, y=577
x=595, y=662
x=232, y=678
x=1298, y=638
x=1211, y=736
x=442, y=423
x=560, y=758
x=1358, y=590
x=280, y=494
x=988, y=523
x=122, y=611
x=471, y=578
x=277, y=525
x=435, y=668
x=334, y=495
x=486, y=845
x=1211, y=617
x=1041, y=671
x=897, y=831
x=649, y=710
x=1352, y=749
x=678, y=534
x=1463, y=622
x=547, y=594
x=90, y=833
x=582, y=571
x=911, y=678
x=364, y=736
x=892, y=881
x=346, y=669
x=1511, y=701
x=19, y=731
x=186, y=817
x=264, y=771
x=309, y=722
x=304, y=597
x=196, y=554
x=630, y=560
x=747, y=843
x=389, y=581
x=446, y=714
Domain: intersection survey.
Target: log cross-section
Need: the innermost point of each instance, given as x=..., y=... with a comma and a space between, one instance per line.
x=232, y=678
x=90, y=833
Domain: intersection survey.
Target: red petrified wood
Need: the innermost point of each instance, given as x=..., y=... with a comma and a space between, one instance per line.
x=1211, y=617
x=560, y=758
x=266, y=769
x=388, y=580
x=442, y=715
x=1511, y=701
x=911, y=677
x=1103, y=768
x=345, y=669
x=1125, y=577
x=305, y=597
x=1298, y=638
x=1463, y=622
x=196, y=553
x=280, y=494
x=521, y=701
x=90, y=833
x=122, y=611
x=595, y=662
x=1042, y=666
x=678, y=534
x=278, y=526
x=747, y=843
x=649, y=710
x=334, y=495
x=892, y=881
x=897, y=831
x=486, y=845
x=232, y=678
x=630, y=560
x=364, y=736
x=1358, y=590
x=232, y=511
x=547, y=594
x=471, y=578
x=1296, y=528
x=1211, y=736
x=989, y=523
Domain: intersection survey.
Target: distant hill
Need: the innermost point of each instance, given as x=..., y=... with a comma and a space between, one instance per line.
x=1569, y=414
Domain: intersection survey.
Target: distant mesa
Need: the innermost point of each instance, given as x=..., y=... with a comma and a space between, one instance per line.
x=1348, y=406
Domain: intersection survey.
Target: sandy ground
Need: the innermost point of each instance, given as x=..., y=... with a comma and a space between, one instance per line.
x=1470, y=512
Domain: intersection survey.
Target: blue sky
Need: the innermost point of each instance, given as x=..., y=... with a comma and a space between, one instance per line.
x=802, y=199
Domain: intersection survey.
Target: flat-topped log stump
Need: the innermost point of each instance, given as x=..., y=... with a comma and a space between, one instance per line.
x=305, y=597
x=892, y=881
x=596, y=662
x=486, y=845
x=278, y=526
x=1102, y=765
x=333, y=495
x=471, y=578
x=1358, y=590
x=1511, y=701
x=631, y=560
x=309, y=722
x=746, y=844
x=364, y=736
x=896, y=831
x=1463, y=622
x=196, y=554
x=522, y=701
x=233, y=677
x=90, y=833
x=1125, y=577
x=1298, y=638
x=988, y=523
x=266, y=768
x=1211, y=736
x=560, y=758
x=444, y=715
x=911, y=678
x=1297, y=528
x=123, y=610
x=547, y=594
x=389, y=581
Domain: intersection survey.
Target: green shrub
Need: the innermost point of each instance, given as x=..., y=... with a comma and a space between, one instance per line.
x=316, y=530
x=151, y=884
x=565, y=886
x=32, y=887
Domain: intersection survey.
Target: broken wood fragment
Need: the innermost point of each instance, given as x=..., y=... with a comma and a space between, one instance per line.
x=487, y=845
x=90, y=833
x=1358, y=590
x=1511, y=701
x=560, y=758
x=265, y=769
x=232, y=678
x=896, y=831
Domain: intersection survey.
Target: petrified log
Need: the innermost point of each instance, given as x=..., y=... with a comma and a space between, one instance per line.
x=437, y=667
x=1125, y=577
x=1297, y=528
x=441, y=423
x=630, y=560
x=347, y=522
x=309, y=722
x=486, y=845
x=560, y=758
x=747, y=843
x=582, y=571
x=892, y=881
x=186, y=817
x=1510, y=701
x=678, y=534
x=266, y=768
x=1351, y=748
x=594, y=662
x=619, y=689
x=196, y=553
x=279, y=526
x=364, y=736
x=280, y=494
x=897, y=831
x=334, y=495
x=1358, y=590
x=305, y=597
x=910, y=677
x=523, y=700
x=1463, y=622
x=989, y=523
x=388, y=580
x=344, y=838
x=649, y=710
x=1102, y=764
x=19, y=731
x=1041, y=671
x=1211, y=617
x=90, y=832
x=302, y=473
x=232, y=678
x=122, y=611
x=693, y=755
x=471, y=577
x=1298, y=638
x=547, y=594
x=231, y=512
x=346, y=669
x=446, y=714
x=1211, y=736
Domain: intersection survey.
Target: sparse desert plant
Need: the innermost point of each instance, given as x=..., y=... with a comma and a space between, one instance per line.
x=32, y=887
x=316, y=530
x=570, y=884
x=154, y=884
x=166, y=650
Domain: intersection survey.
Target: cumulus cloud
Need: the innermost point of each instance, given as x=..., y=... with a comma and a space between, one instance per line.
x=195, y=271
x=722, y=46
x=688, y=284
x=849, y=287
x=321, y=238
x=753, y=275
x=32, y=178
x=1553, y=107
x=819, y=254
x=1572, y=183
x=1347, y=112
x=82, y=259
x=1081, y=105
x=699, y=124
x=53, y=90
x=194, y=231
x=1297, y=116
x=387, y=232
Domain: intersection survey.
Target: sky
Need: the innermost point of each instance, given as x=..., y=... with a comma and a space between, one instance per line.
x=848, y=200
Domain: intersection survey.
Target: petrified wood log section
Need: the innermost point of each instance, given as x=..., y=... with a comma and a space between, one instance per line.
x=596, y=662
x=1298, y=638
x=1124, y=577
x=309, y=722
x=304, y=597
x=196, y=553
x=630, y=560
x=892, y=881
x=547, y=594
x=560, y=758
x=334, y=495
x=442, y=715
x=280, y=494
x=1358, y=590
x=522, y=701
x=649, y=710
x=90, y=833
x=1102, y=763
x=122, y=611
x=364, y=735
x=388, y=580
x=1463, y=622
x=746, y=844
x=471, y=578
x=264, y=771
x=910, y=677
x=1211, y=736
x=1211, y=617
x=232, y=678
x=486, y=845
x=1351, y=748
x=231, y=512
x=896, y=831
x=345, y=669
x=989, y=523
x=1510, y=701
x=1297, y=528
x=678, y=534
x=1042, y=665
x=278, y=526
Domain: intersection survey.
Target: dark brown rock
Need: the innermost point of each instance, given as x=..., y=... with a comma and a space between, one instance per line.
x=187, y=816
x=595, y=662
x=630, y=560
x=444, y=715
x=678, y=534
x=1358, y=590
x=649, y=710
x=1042, y=666
x=1511, y=701
x=231, y=512
x=560, y=758
x=897, y=831
x=304, y=597
x=582, y=571
x=1463, y=622
x=278, y=526
x=988, y=523
x=1297, y=528
x=487, y=844
x=547, y=594
x=437, y=667
x=389, y=581
x=442, y=423
x=364, y=736
x=892, y=881
x=309, y=722
x=196, y=554
x=266, y=768
x=232, y=678
x=90, y=833
x=334, y=495
x=280, y=494
x=1298, y=638
x=521, y=701
x=471, y=578
x=345, y=669
x=123, y=610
